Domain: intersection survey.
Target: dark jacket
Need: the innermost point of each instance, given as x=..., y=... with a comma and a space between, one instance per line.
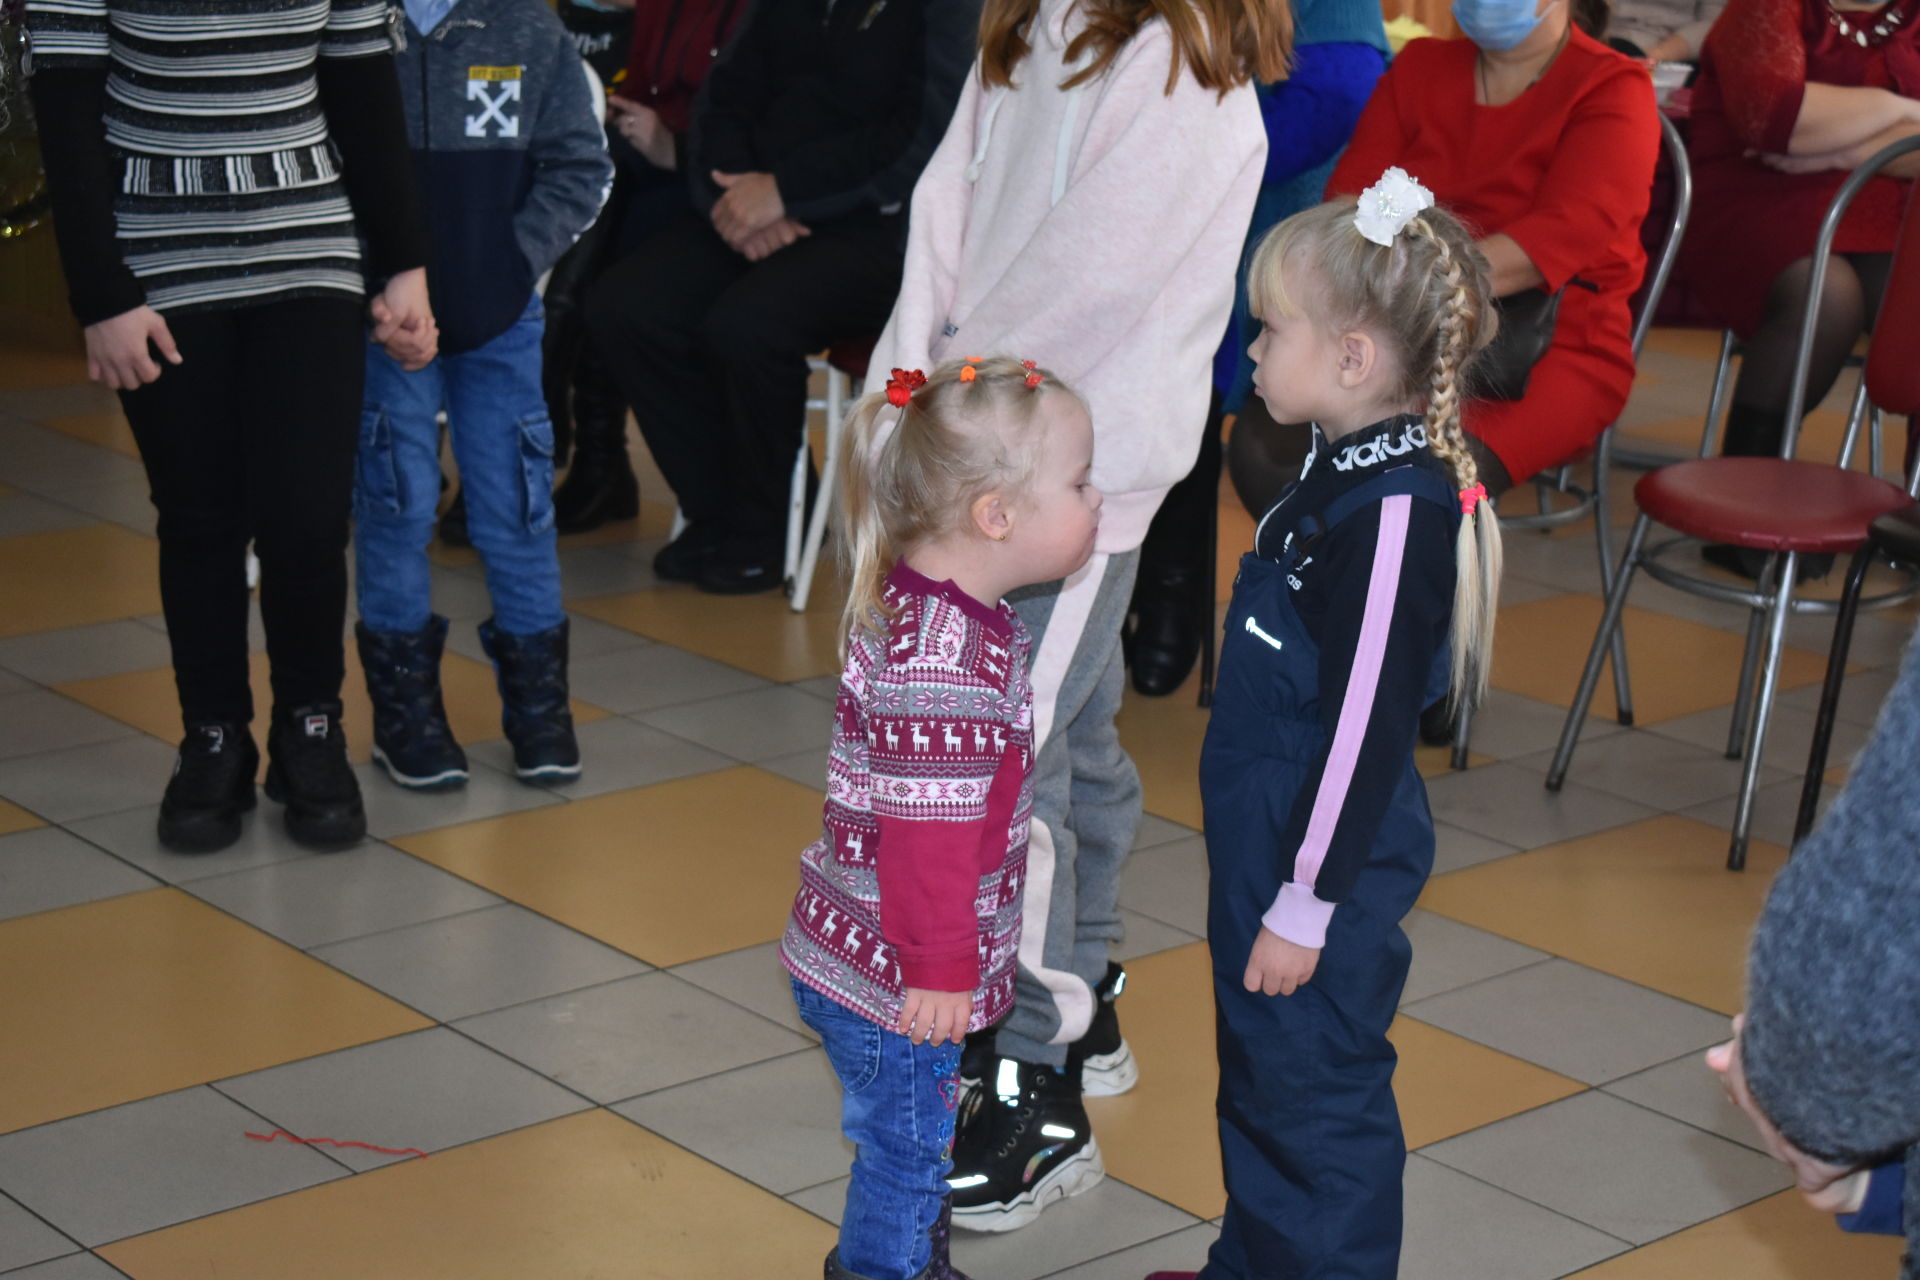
x=842, y=101
x=511, y=156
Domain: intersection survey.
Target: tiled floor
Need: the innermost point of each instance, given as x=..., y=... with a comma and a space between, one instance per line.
x=568, y=999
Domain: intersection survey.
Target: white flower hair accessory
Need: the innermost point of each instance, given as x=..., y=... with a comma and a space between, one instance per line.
x=1389, y=205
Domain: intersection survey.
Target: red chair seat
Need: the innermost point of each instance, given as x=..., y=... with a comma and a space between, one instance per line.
x=851, y=356
x=1768, y=504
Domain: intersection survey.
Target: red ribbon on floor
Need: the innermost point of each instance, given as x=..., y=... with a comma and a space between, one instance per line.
x=332, y=1142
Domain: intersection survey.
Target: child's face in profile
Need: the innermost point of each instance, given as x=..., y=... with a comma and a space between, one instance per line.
x=1296, y=368
x=1059, y=513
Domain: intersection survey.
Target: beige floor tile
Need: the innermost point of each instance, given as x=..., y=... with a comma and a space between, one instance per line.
x=586, y=1195
x=1678, y=667
x=1651, y=902
x=108, y=430
x=1778, y=1238
x=1446, y=1084
x=755, y=633
x=138, y=995
x=13, y=818
x=147, y=701
x=667, y=873
x=72, y=577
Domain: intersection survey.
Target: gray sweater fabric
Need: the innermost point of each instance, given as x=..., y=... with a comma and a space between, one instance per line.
x=1832, y=1043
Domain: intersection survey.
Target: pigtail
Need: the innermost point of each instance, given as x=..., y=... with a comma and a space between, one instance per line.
x=1465, y=328
x=866, y=550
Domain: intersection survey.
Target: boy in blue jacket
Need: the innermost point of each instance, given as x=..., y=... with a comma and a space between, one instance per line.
x=513, y=164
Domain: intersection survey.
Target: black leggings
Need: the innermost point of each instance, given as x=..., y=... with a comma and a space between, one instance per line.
x=252, y=439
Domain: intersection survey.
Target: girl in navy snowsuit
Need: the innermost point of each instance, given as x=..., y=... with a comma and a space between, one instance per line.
x=1369, y=593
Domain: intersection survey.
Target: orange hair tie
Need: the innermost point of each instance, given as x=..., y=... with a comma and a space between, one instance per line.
x=968, y=373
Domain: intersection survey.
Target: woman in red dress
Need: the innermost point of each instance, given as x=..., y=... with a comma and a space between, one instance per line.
x=1792, y=94
x=1546, y=149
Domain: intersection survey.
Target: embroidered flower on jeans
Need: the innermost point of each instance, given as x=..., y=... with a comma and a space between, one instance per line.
x=1389, y=205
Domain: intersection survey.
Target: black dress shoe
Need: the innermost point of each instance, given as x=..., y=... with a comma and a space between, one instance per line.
x=682, y=559
x=1436, y=724
x=742, y=569
x=1166, y=634
x=1746, y=562
x=599, y=488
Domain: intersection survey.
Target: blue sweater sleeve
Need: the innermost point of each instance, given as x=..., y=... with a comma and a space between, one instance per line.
x=1311, y=114
x=1880, y=1215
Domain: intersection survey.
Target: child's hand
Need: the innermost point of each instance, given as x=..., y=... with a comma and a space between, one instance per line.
x=1279, y=967
x=1818, y=1181
x=403, y=320
x=117, y=353
x=935, y=1017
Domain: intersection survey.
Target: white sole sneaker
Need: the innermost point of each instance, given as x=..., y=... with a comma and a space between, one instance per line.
x=1108, y=1075
x=1079, y=1175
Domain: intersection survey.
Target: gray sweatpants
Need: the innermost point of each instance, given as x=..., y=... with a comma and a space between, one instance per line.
x=1086, y=806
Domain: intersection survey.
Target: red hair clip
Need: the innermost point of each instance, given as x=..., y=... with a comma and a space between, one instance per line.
x=1471, y=498
x=902, y=385
x=1034, y=379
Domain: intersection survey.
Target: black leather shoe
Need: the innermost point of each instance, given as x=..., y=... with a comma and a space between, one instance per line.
x=683, y=559
x=1166, y=633
x=599, y=488
x=212, y=785
x=1436, y=724
x=742, y=569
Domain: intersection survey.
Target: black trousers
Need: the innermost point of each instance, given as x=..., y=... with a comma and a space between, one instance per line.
x=711, y=352
x=252, y=439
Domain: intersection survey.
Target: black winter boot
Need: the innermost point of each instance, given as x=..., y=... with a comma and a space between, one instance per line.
x=599, y=485
x=212, y=785
x=412, y=741
x=532, y=675
x=307, y=771
x=1022, y=1143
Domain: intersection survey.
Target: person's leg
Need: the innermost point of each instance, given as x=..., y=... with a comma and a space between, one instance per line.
x=840, y=282
x=1757, y=419
x=898, y=1111
x=504, y=444
x=1169, y=597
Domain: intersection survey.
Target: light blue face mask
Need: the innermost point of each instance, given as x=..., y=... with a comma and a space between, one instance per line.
x=1498, y=24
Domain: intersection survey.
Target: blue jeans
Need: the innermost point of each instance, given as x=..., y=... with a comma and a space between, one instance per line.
x=503, y=441
x=899, y=1113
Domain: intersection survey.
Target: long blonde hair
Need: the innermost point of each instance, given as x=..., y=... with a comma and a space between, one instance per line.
x=1224, y=43
x=1428, y=299
x=968, y=431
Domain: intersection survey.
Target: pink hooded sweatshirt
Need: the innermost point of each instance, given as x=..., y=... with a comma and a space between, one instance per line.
x=1096, y=230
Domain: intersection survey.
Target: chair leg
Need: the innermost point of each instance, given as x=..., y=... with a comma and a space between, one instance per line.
x=1462, y=737
x=797, y=504
x=1602, y=641
x=1717, y=401
x=1603, y=544
x=1830, y=691
x=823, y=498
x=1763, y=712
x=1743, y=697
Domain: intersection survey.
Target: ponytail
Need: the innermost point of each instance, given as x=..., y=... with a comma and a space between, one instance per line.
x=866, y=552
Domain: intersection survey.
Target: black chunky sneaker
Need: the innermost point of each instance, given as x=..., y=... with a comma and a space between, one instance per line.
x=1022, y=1143
x=1101, y=1058
x=411, y=738
x=532, y=675
x=307, y=771
x=212, y=785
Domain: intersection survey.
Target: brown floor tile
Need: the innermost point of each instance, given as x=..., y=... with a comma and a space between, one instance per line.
x=13, y=818
x=1446, y=1084
x=108, y=430
x=147, y=700
x=1778, y=1238
x=1651, y=902
x=1163, y=736
x=654, y=521
x=1678, y=667
x=25, y=368
x=668, y=873
x=1701, y=344
x=586, y=1195
x=759, y=633
x=72, y=577
x=139, y=995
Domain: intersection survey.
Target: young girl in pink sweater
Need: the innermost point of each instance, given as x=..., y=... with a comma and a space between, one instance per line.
x=1089, y=200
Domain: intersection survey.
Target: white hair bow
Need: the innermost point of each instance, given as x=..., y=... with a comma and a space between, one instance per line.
x=1389, y=205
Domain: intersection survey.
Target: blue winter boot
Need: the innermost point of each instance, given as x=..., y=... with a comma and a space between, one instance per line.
x=411, y=738
x=532, y=672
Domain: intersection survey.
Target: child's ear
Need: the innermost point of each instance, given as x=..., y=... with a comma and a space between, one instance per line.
x=1358, y=358
x=992, y=516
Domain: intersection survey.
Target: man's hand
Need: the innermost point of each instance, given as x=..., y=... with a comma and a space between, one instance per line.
x=403, y=320
x=764, y=244
x=935, y=1017
x=117, y=352
x=1821, y=1183
x=1279, y=967
x=641, y=125
x=749, y=203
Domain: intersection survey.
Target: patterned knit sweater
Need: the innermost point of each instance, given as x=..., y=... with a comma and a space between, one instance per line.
x=917, y=876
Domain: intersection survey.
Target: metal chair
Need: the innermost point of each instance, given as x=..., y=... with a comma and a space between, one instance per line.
x=843, y=363
x=1595, y=499
x=1782, y=506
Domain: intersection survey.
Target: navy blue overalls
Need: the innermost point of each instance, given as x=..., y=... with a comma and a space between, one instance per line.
x=1310, y=1138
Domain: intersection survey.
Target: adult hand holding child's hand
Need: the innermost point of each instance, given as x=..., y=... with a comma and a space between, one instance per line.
x=1279, y=967
x=403, y=320
x=935, y=1017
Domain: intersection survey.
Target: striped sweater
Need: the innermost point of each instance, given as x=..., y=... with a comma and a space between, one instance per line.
x=193, y=155
x=917, y=876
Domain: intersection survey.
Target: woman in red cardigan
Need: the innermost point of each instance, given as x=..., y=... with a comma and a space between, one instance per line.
x=1792, y=94
x=1543, y=140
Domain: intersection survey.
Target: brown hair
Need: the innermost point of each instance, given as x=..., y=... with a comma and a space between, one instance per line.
x=967, y=432
x=1224, y=43
x=1592, y=16
x=1428, y=299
